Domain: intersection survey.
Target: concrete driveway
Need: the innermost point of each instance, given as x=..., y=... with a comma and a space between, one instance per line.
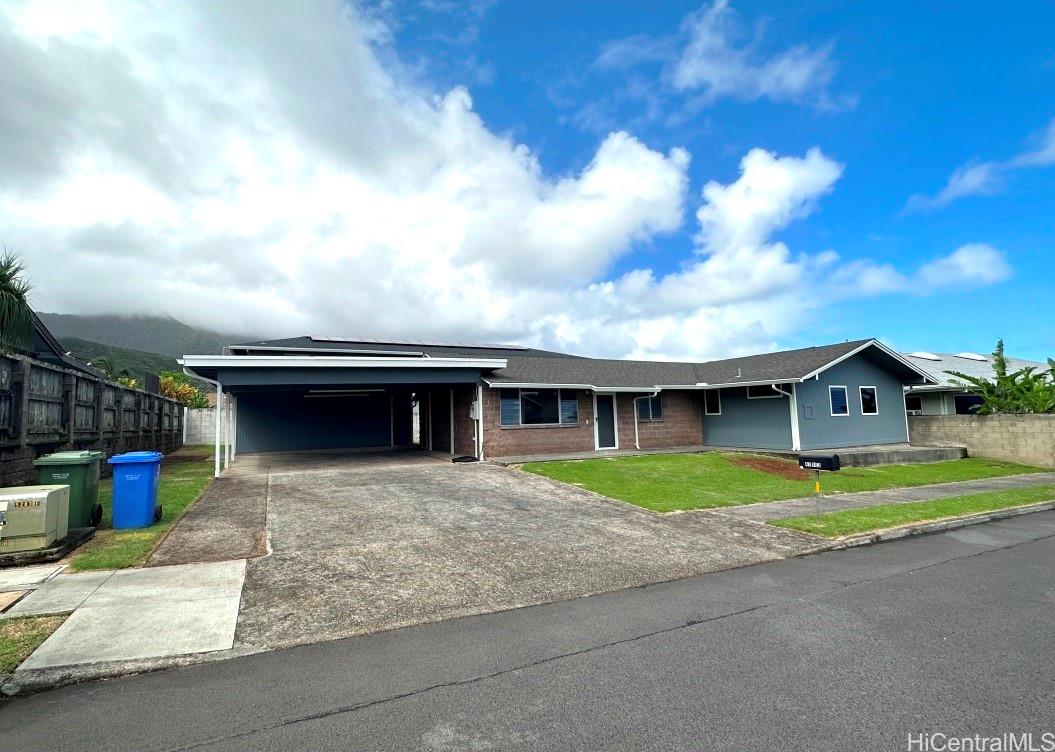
x=371, y=542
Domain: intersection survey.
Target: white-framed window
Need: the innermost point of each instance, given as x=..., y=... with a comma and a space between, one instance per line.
x=712, y=402
x=869, y=400
x=650, y=408
x=763, y=391
x=838, y=401
x=914, y=404
x=539, y=407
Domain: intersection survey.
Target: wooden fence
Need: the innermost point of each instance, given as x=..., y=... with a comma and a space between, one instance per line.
x=45, y=408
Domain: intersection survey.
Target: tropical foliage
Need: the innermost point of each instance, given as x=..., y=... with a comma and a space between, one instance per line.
x=1027, y=390
x=16, y=317
x=178, y=386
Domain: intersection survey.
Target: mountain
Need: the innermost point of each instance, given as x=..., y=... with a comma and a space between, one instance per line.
x=147, y=334
x=136, y=362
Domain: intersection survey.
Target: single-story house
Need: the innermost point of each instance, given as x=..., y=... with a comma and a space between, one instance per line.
x=314, y=393
x=947, y=396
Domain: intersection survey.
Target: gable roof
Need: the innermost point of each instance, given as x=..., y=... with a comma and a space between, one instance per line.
x=530, y=367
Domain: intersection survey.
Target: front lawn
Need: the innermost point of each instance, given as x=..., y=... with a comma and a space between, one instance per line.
x=669, y=482
x=854, y=521
x=184, y=475
x=21, y=636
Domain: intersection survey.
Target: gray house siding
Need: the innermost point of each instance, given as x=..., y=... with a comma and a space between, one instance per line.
x=749, y=423
x=818, y=429
x=286, y=421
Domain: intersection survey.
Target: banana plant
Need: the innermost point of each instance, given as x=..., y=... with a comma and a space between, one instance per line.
x=1026, y=390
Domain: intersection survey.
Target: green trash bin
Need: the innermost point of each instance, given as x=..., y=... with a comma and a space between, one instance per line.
x=79, y=471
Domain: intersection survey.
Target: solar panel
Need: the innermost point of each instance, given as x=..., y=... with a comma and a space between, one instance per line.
x=414, y=343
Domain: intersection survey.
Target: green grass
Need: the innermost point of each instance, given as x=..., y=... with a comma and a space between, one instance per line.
x=180, y=485
x=21, y=636
x=669, y=482
x=853, y=521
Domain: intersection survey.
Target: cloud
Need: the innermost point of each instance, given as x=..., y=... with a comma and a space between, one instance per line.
x=267, y=168
x=988, y=178
x=712, y=62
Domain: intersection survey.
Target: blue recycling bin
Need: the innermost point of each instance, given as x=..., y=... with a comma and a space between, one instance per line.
x=136, y=489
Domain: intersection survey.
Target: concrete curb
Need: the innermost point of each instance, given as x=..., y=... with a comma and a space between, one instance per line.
x=940, y=526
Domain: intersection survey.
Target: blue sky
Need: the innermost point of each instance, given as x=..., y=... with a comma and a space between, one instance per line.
x=923, y=90
x=649, y=180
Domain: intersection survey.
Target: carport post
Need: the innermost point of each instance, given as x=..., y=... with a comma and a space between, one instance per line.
x=217, y=426
x=227, y=434
x=452, y=421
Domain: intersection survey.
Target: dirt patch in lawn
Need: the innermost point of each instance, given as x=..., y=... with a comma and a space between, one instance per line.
x=773, y=466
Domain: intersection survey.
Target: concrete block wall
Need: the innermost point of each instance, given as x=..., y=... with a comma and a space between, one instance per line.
x=201, y=428
x=1028, y=439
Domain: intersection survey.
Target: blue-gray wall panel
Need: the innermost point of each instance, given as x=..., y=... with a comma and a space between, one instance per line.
x=749, y=423
x=284, y=422
x=818, y=429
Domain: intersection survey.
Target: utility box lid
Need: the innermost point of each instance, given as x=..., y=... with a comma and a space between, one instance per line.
x=131, y=457
x=68, y=458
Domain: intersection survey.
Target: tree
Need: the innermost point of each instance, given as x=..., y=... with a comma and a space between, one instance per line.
x=16, y=317
x=1026, y=390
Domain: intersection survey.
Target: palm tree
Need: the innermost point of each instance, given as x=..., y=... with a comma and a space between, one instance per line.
x=16, y=317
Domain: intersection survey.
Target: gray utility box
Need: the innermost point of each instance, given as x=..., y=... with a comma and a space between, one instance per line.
x=33, y=517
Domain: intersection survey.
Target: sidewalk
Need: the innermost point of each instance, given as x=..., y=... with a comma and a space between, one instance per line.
x=778, y=510
x=132, y=614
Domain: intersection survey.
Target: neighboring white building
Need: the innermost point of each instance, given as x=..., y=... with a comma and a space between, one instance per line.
x=948, y=397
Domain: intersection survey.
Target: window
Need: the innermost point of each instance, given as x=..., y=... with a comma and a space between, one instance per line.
x=914, y=404
x=839, y=403
x=539, y=407
x=650, y=408
x=712, y=402
x=967, y=404
x=762, y=391
x=869, y=400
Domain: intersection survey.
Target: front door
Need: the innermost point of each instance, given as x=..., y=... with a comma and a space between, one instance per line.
x=604, y=405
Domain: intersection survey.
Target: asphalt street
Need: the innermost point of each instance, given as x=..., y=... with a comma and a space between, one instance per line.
x=858, y=649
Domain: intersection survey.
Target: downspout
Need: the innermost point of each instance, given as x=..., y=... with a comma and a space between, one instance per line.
x=796, y=442
x=480, y=420
x=217, y=416
x=637, y=438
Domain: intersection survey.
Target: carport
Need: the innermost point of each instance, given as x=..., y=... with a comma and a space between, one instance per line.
x=336, y=399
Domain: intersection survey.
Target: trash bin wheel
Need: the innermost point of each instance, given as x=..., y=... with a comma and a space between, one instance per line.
x=157, y=513
x=97, y=515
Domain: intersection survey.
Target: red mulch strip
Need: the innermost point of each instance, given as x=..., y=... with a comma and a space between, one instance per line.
x=773, y=466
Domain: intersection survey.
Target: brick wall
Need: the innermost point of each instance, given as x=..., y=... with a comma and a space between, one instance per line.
x=680, y=427
x=464, y=426
x=1029, y=439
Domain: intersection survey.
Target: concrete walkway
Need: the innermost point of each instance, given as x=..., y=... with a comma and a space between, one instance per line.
x=133, y=614
x=778, y=510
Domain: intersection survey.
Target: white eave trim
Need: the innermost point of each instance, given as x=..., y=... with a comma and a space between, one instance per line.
x=329, y=350
x=928, y=378
x=329, y=361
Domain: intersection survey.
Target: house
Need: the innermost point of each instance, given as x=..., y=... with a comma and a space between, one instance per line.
x=42, y=345
x=947, y=396
x=314, y=393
